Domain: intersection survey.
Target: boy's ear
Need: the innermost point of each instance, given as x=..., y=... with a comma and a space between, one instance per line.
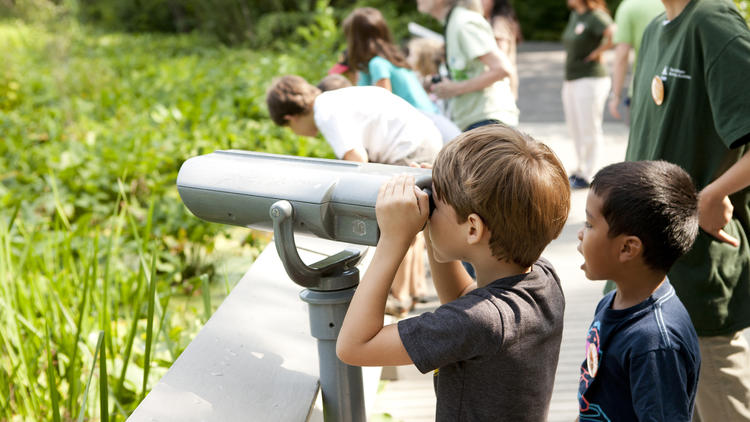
x=289, y=117
x=631, y=247
x=476, y=229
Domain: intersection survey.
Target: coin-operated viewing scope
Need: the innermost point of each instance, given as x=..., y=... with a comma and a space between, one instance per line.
x=330, y=199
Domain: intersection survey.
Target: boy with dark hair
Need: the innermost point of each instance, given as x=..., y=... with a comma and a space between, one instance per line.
x=642, y=356
x=500, y=198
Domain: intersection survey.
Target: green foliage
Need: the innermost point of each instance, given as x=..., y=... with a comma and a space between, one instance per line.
x=93, y=235
x=546, y=19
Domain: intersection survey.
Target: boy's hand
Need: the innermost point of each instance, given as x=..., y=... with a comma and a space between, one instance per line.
x=402, y=209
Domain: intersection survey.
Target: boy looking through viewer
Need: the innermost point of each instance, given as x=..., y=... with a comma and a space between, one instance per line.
x=642, y=356
x=500, y=198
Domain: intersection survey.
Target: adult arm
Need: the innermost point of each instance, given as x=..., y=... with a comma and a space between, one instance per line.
x=356, y=154
x=450, y=278
x=606, y=44
x=497, y=67
x=714, y=208
x=401, y=211
x=619, y=70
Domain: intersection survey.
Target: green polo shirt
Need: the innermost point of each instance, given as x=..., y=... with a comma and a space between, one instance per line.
x=702, y=58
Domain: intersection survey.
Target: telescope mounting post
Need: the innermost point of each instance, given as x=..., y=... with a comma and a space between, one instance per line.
x=329, y=288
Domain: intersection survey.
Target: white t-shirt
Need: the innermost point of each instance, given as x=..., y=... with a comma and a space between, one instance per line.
x=370, y=117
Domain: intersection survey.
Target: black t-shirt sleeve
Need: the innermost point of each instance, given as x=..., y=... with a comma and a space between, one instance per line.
x=464, y=329
x=658, y=385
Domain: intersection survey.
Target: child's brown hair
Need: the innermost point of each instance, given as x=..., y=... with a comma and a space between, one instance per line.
x=427, y=55
x=516, y=184
x=367, y=36
x=290, y=95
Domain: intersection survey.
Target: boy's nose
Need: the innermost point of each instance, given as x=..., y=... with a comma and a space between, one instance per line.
x=580, y=233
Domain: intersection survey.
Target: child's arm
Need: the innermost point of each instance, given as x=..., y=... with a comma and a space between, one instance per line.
x=497, y=67
x=384, y=83
x=402, y=211
x=450, y=278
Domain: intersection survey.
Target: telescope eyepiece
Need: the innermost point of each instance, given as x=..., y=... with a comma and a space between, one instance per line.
x=428, y=191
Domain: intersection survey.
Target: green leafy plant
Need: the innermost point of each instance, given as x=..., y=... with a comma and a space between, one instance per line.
x=103, y=272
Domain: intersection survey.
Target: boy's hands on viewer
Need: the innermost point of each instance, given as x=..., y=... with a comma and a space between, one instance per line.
x=402, y=209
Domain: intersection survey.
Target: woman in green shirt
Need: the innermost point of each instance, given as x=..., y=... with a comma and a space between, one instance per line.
x=586, y=86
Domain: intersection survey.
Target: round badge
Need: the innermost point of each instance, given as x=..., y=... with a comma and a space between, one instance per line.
x=592, y=359
x=657, y=90
x=579, y=28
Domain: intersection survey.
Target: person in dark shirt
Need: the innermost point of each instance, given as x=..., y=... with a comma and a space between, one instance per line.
x=642, y=356
x=500, y=198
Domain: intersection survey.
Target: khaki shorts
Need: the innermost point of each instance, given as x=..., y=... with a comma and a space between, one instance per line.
x=724, y=383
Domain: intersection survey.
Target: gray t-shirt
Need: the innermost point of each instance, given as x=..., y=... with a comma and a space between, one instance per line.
x=495, y=348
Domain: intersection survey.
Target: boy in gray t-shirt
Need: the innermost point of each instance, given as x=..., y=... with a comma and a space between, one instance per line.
x=500, y=198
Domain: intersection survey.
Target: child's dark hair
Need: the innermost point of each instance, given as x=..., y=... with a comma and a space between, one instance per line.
x=653, y=200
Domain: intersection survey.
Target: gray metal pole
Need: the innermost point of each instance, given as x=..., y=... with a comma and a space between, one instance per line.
x=341, y=384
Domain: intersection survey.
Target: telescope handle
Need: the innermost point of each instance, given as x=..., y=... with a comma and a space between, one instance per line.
x=333, y=273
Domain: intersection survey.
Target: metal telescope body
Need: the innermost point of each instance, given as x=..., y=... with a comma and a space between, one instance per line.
x=330, y=199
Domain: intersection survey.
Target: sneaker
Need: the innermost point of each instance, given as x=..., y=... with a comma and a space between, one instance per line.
x=577, y=182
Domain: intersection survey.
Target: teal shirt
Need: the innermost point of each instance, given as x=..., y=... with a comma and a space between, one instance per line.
x=404, y=83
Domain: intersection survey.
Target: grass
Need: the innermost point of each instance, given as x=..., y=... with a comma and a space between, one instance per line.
x=105, y=277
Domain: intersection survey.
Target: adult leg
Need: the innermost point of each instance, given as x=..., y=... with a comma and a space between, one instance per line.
x=571, y=119
x=591, y=96
x=724, y=383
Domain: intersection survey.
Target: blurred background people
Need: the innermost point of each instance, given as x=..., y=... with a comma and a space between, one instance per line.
x=333, y=81
x=507, y=30
x=588, y=34
x=363, y=124
x=631, y=18
x=380, y=62
x=479, y=89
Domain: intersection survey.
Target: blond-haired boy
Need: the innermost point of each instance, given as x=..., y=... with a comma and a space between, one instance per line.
x=500, y=198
